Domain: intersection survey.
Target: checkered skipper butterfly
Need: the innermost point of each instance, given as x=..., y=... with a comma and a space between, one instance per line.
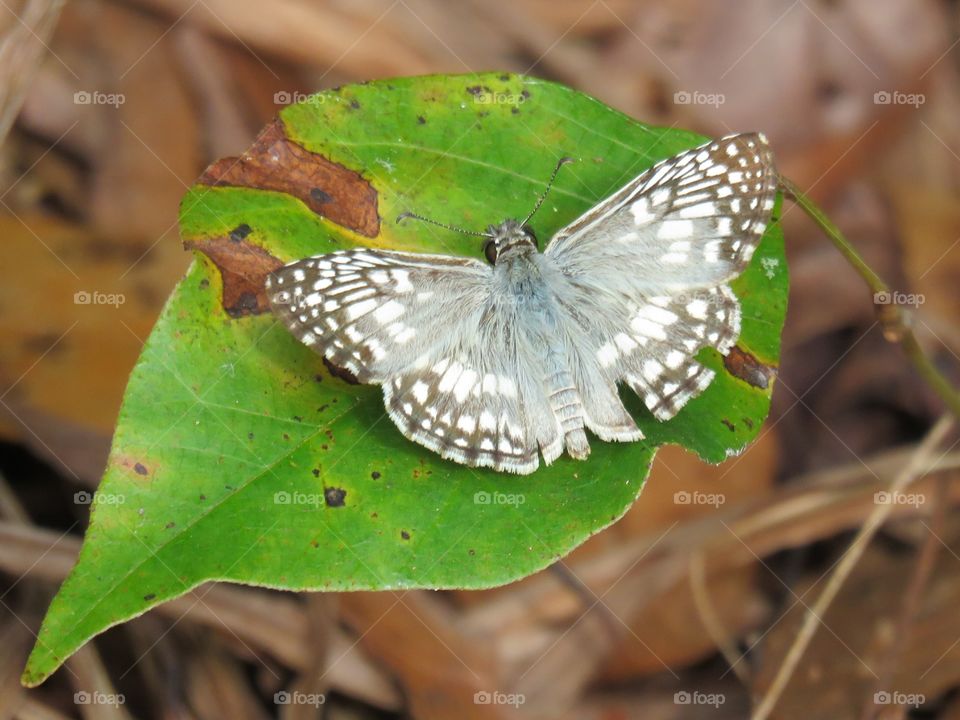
x=493, y=364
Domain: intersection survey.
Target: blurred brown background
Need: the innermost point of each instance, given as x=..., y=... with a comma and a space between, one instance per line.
x=109, y=110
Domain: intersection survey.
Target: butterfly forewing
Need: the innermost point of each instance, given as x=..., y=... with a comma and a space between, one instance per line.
x=374, y=312
x=692, y=220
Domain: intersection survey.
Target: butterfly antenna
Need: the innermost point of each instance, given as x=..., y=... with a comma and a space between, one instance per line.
x=563, y=161
x=405, y=215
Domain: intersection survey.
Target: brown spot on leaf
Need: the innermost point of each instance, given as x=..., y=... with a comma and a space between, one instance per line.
x=240, y=232
x=729, y=425
x=149, y=596
x=342, y=373
x=274, y=162
x=404, y=534
x=170, y=524
x=334, y=496
x=243, y=268
x=140, y=469
x=375, y=475
x=742, y=364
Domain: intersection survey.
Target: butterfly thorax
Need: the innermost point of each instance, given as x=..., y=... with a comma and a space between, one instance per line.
x=522, y=285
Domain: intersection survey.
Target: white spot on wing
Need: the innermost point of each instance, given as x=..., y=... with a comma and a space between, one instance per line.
x=697, y=308
x=402, y=279
x=641, y=212
x=674, y=359
x=361, y=308
x=388, y=312
x=607, y=355
x=701, y=210
x=626, y=343
x=465, y=384
x=675, y=230
x=420, y=391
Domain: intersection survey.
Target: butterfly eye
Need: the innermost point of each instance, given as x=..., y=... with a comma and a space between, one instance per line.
x=490, y=251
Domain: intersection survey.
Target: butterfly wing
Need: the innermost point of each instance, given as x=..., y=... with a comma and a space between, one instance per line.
x=646, y=271
x=376, y=313
x=420, y=325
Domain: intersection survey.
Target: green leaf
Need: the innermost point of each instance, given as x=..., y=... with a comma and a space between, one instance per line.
x=227, y=415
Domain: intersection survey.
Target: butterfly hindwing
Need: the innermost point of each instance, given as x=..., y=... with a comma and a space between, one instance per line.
x=467, y=411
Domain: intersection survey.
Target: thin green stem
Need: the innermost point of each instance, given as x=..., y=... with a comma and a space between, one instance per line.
x=896, y=320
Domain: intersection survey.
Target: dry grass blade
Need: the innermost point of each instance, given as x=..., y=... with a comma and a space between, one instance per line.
x=918, y=465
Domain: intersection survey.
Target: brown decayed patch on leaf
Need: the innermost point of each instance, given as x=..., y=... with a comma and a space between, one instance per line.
x=244, y=268
x=334, y=496
x=745, y=366
x=274, y=162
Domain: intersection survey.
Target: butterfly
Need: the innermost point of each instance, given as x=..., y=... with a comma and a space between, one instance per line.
x=493, y=364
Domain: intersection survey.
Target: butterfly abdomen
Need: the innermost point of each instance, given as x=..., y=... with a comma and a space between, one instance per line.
x=567, y=406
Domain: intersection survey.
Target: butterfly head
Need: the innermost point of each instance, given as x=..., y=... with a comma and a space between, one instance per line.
x=508, y=238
